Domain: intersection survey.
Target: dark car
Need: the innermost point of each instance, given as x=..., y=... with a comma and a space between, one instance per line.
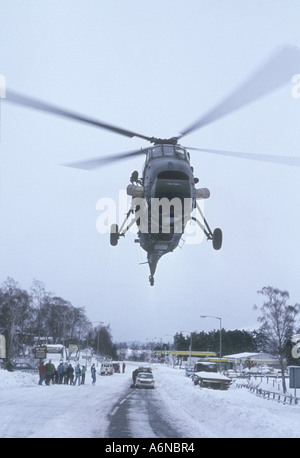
x=25, y=367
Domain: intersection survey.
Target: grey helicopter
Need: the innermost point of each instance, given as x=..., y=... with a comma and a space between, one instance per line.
x=165, y=196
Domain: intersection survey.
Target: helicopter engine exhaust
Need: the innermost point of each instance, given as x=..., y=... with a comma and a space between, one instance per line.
x=134, y=190
x=202, y=193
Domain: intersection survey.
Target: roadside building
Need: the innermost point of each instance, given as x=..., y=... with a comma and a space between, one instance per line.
x=241, y=361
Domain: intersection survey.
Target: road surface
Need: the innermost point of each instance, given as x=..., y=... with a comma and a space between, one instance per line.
x=138, y=414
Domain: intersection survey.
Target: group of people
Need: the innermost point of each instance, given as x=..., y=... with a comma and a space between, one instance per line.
x=64, y=373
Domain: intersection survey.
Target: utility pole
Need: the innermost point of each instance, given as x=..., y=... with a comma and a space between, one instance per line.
x=220, y=319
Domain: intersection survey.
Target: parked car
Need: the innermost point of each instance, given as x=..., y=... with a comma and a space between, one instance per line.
x=144, y=380
x=189, y=370
x=275, y=371
x=260, y=370
x=145, y=369
x=25, y=367
x=106, y=369
x=211, y=380
x=6, y=364
x=231, y=373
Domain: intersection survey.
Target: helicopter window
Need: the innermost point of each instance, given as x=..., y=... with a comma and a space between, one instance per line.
x=169, y=150
x=180, y=153
x=172, y=184
x=157, y=152
x=172, y=175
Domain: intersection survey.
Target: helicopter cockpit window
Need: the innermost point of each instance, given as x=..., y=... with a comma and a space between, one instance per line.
x=180, y=152
x=168, y=150
x=157, y=151
x=149, y=154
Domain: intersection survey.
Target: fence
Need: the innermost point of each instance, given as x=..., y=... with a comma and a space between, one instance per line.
x=266, y=394
x=279, y=397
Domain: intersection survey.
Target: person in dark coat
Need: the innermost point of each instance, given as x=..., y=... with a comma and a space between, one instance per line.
x=83, y=371
x=93, y=373
x=70, y=374
x=134, y=376
x=49, y=372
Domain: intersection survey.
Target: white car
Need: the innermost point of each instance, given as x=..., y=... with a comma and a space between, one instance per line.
x=231, y=373
x=106, y=369
x=144, y=380
x=259, y=370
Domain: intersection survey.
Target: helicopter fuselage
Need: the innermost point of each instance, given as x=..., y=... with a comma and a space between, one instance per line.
x=169, y=194
x=163, y=200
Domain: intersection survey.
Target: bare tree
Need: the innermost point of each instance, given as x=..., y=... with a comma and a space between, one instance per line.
x=277, y=321
x=39, y=298
x=15, y=314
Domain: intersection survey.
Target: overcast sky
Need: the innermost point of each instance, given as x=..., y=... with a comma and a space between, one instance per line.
x=152, y=67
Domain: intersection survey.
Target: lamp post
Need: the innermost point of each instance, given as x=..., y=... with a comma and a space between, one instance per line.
x=170, y=347
x=190, y=346
x=160, y=338
x=100, y=322
x=220, y=319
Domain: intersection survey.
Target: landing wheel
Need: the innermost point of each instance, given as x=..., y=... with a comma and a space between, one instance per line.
x=151, y=280
x=217, y=239
x=114, y=234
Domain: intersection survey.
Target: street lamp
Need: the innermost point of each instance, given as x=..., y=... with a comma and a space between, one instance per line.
x=190, y=347
x=160, y=338
x=220, y=319
x=100, y=322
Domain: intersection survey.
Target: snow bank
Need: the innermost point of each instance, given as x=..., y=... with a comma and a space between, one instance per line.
x=30, y=410
x=57, y=411
x=203, y=412
x=16, y=379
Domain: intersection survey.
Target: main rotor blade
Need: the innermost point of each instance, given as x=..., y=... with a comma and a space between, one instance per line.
x=95, y=163
x=285, y=160
x=30, y=102
x=278, y=70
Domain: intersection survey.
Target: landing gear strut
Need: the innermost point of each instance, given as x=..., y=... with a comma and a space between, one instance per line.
x=116, y=233
x=215, y=236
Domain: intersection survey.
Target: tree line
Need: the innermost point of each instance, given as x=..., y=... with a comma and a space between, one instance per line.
x=278, y=332
x=29, y=318
x=277, y=323
x=38, y=316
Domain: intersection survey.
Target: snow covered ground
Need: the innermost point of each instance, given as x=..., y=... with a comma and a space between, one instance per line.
x=28, y=410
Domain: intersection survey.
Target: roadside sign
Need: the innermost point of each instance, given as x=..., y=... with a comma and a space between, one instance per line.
x=73, y=358
x=294, y=376
x=40, y=352
x=73, y=348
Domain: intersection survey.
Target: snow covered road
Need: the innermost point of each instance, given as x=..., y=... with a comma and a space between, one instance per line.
x=56, y=411
x=141, y=414
x=30, y=410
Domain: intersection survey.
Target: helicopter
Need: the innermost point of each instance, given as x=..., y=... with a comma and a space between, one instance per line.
x=162, y=203
x=164, y=197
